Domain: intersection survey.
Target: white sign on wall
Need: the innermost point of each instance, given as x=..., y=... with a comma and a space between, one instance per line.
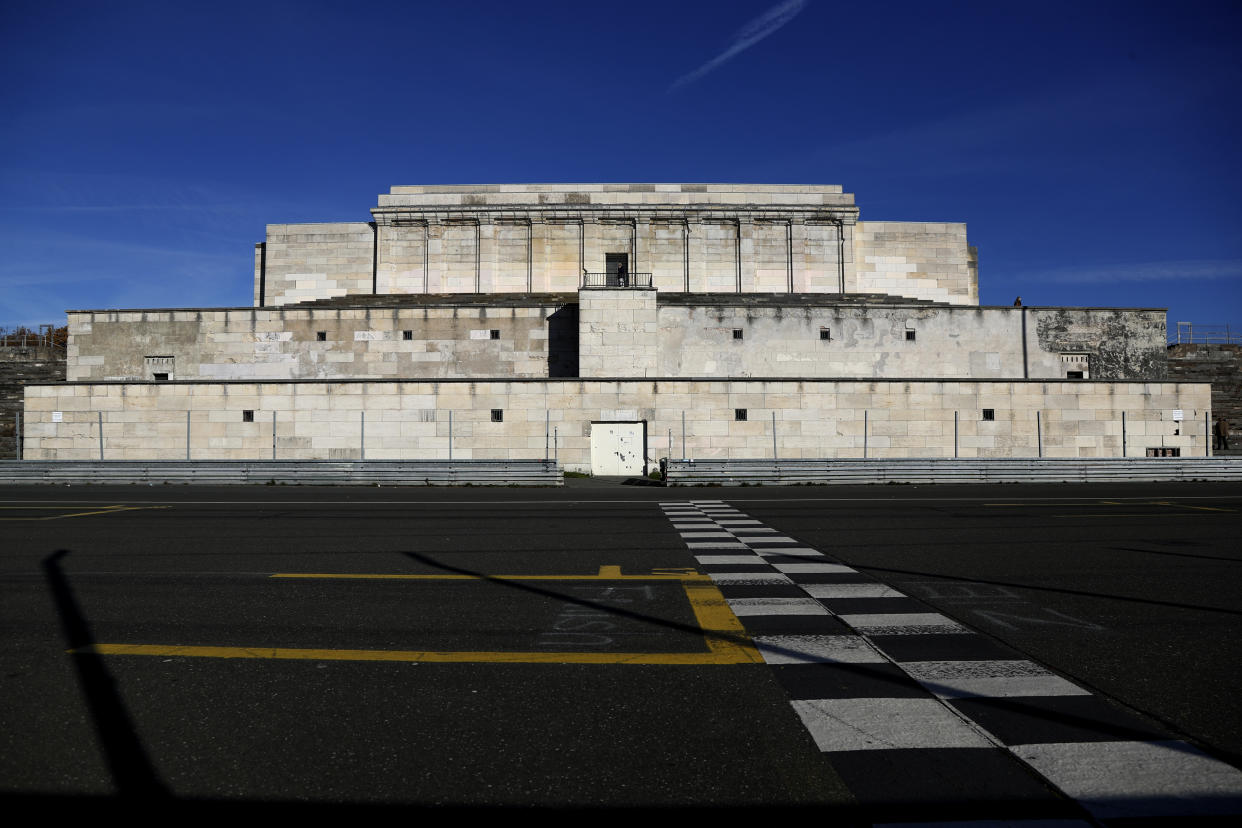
x=58, y=416
x=1179, y=414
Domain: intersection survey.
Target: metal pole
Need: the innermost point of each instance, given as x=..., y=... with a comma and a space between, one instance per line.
x=774, y=435
x=450, y=435
x=864, y=434
x=273, y=435
x=1123, y=434
x=1039, y=434
x=19, y=434
x=683, y=435
x=547, y=428
x=1207, y=436
x=362, y=435
x=670, y=444
x=555, y=446
x=955, y=435
x=187, y=435
x=100, y=435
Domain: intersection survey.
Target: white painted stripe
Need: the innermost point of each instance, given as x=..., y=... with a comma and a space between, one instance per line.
x=902, y=623
x=792, y=551
x=746, y=530
x=885, y=724
x=1138, y=779
x=766, y=539
x=729, y=559
x=795, y=568
x=749, y=578
x=989, y=679
x=817, y=649
x=739, y=522
x=716, y=545
x=777, y=606
x=706, y=535
x=851, y=591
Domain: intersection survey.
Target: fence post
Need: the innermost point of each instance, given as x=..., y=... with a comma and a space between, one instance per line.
x=683, y=435
x=100, y=434
x=547, y=429
x=670, y=444
x=18, y=434
x=187, y=434
x=1039, y=435
x=1123, y=434
x=864, y=434
x=450, y=435
x=1208, y=448
x=555, y=447
x=362, y=434
x=273, y=435
x=774, y=457
x=955, y=435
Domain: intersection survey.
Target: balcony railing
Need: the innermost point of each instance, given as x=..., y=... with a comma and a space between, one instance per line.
x=616, y=280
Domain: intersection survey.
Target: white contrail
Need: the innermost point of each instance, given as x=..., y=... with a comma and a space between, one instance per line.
x=1147, y=271
x=750, y=34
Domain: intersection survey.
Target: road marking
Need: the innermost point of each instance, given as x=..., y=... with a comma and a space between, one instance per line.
x=725, y=638
x=947, y=703
x=106, y=510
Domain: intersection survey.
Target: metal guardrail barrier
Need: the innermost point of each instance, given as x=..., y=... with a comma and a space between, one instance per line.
x=288, y=472
x=615, y=280
x=1048, y=470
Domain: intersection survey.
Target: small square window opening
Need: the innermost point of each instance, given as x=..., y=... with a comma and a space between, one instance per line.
x=909, y=336
x=737, y=333
x=321, y=336
x=739, y=414
x=825, y=334
x=160, y=377
x=989, y=413
x=248, y=416
x=495, y=334
x=498, y=415
x=407, y=335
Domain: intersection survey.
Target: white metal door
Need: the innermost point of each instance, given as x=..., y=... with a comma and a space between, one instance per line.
x=616, y=448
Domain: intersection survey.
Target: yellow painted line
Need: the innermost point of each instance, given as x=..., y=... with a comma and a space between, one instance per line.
x=1188, y=506
x=726, y=639
x=606, y=573
x=738, y=656
x=107, y=510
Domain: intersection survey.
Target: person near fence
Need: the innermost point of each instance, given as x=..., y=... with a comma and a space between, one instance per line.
x=1221, y=434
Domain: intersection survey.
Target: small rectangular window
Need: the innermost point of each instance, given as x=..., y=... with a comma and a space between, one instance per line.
x=737, y=333
x=825, y=334
x=248, y=416
x=739, y=414
x=1164, y=452
x=1073, y=374
x=495, y=334
x=909, y=336
x=321, y=336
x=160, y=377
x=498, y=415
x=989, y=413
x=407, y=335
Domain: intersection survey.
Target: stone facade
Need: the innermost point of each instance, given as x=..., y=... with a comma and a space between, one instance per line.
x=692, y=238
x=812, y=418
x=747, y=313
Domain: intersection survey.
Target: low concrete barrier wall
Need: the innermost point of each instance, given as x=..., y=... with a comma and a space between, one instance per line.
x=792, y=472
x=289, y=472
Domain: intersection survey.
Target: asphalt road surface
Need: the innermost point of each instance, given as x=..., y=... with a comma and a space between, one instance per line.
x=881, y=653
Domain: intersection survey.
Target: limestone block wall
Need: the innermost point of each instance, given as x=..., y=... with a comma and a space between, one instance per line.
x=1119, y=343
x=806, y=338
x=915, y=259
x=509, y=419
x=618, y=333
x=316, y=261
x=269, y=343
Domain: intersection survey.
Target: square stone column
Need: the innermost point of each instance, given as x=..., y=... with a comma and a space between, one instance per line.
x=618, y=332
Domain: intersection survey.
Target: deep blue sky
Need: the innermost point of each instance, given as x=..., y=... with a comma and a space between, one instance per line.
x=1092, y=148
